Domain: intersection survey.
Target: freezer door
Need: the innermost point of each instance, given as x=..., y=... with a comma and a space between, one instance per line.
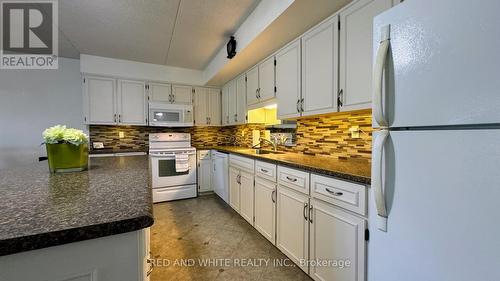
x=442, y=63
x=442, y=191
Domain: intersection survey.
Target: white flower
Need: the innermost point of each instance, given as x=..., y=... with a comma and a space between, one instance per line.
x=61, y=134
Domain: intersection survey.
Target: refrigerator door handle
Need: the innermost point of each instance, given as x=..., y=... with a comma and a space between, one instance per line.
x=378, y=146
x=378, y=74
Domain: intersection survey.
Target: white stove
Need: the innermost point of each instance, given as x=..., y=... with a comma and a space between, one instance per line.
x=173, y=166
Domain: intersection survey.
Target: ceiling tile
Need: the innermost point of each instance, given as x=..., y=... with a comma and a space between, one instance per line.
x=203, y=27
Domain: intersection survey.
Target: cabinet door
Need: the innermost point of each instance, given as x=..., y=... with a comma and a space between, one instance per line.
x=232, y=105
x=252, y=85
x=265, y=208
x=132, y=102
x=241, y=100
x=201, y=106
x=292, y=227
x=356, y=28
x=205, y=175
x=214, y=104
x=234, y=189
x=182, y=94
x=246, y=196
x=319, y=68
x=288, y=81
x=160, y=92
x=336, y=236
x=225, y=104
x=100, y=99
x=266, y=80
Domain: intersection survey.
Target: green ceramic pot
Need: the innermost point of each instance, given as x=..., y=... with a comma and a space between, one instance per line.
x=66, y=157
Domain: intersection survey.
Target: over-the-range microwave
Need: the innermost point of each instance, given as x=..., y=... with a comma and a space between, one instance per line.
x=170, y=115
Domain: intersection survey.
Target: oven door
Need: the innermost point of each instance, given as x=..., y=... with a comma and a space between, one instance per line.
x=164, y=173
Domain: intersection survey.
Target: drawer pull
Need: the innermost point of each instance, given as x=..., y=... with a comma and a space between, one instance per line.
x=334, y=193
x=310, y=213
x=305, y=211
x=264, y=170
x=291, y=179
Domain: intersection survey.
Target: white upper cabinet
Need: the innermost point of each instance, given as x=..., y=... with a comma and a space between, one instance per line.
x=160, y=92
x=99, y=96
x=214, y=105
x=232, y=102
x=132, y=102
x=225, y=104
x=182, y=94
x=252, y=87
x=288, y=81
x=207, y=106
x=319, y=68
x=356, y=27
x=266, y=80
x=201, y=107
x=241, y=102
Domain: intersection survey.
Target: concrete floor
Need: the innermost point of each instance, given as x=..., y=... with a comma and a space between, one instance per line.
x=207, y=229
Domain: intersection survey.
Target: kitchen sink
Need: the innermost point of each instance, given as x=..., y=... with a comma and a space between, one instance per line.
x=264, y=151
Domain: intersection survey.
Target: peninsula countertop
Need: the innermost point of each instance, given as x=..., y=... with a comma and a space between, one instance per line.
x=348, y=169
x=39, y=209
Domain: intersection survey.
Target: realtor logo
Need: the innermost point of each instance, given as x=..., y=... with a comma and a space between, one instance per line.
x=29, y=35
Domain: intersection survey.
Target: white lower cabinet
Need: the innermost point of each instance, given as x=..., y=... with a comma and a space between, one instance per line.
x=234, y=188
x=204, y=171
x=337, y=243
x=265, y=208
x=292, y=225
x=246, y=196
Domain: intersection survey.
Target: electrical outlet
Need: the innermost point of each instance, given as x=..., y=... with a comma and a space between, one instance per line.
x=121, y=135
x=354, y=132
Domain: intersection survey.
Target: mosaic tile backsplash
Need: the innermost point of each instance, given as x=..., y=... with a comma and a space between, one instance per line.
x=327, y=135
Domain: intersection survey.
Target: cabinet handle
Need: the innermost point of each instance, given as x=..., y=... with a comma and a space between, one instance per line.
x=310, y=213
x=273, y=196
x=305, y=211
x=298, y=108
x=340, y=98
x=291, y=179
x=119, y=118
x=334, y=193
x=151, y=267
x=236, y=118
x=302, y=105
x=114, y=117
x=257, y=93
x=264, y=170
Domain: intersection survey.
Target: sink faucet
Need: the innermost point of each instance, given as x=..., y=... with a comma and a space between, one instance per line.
x=273, y=143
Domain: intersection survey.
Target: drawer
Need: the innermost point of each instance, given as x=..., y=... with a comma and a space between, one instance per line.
x=204, y=154
x=243, y=163
x=265, y=170
x=293, y=178
x=344, y=194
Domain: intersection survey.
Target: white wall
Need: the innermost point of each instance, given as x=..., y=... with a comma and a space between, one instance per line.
x=261, y=17
x=32, y=100
x=139, y=70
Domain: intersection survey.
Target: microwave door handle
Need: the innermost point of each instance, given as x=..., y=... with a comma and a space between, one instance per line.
x=378, y=74
x=377, y=182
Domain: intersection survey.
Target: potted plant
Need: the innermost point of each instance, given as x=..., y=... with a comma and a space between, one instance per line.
x=67, y=149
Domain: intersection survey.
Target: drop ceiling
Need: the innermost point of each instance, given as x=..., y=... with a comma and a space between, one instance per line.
x=182, y=33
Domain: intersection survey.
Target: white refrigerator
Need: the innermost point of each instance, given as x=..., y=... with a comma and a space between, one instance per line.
x=434, y=209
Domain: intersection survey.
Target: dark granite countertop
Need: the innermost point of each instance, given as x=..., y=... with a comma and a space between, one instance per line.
x=350, y=169
x=39, y=209
x=111, y=150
